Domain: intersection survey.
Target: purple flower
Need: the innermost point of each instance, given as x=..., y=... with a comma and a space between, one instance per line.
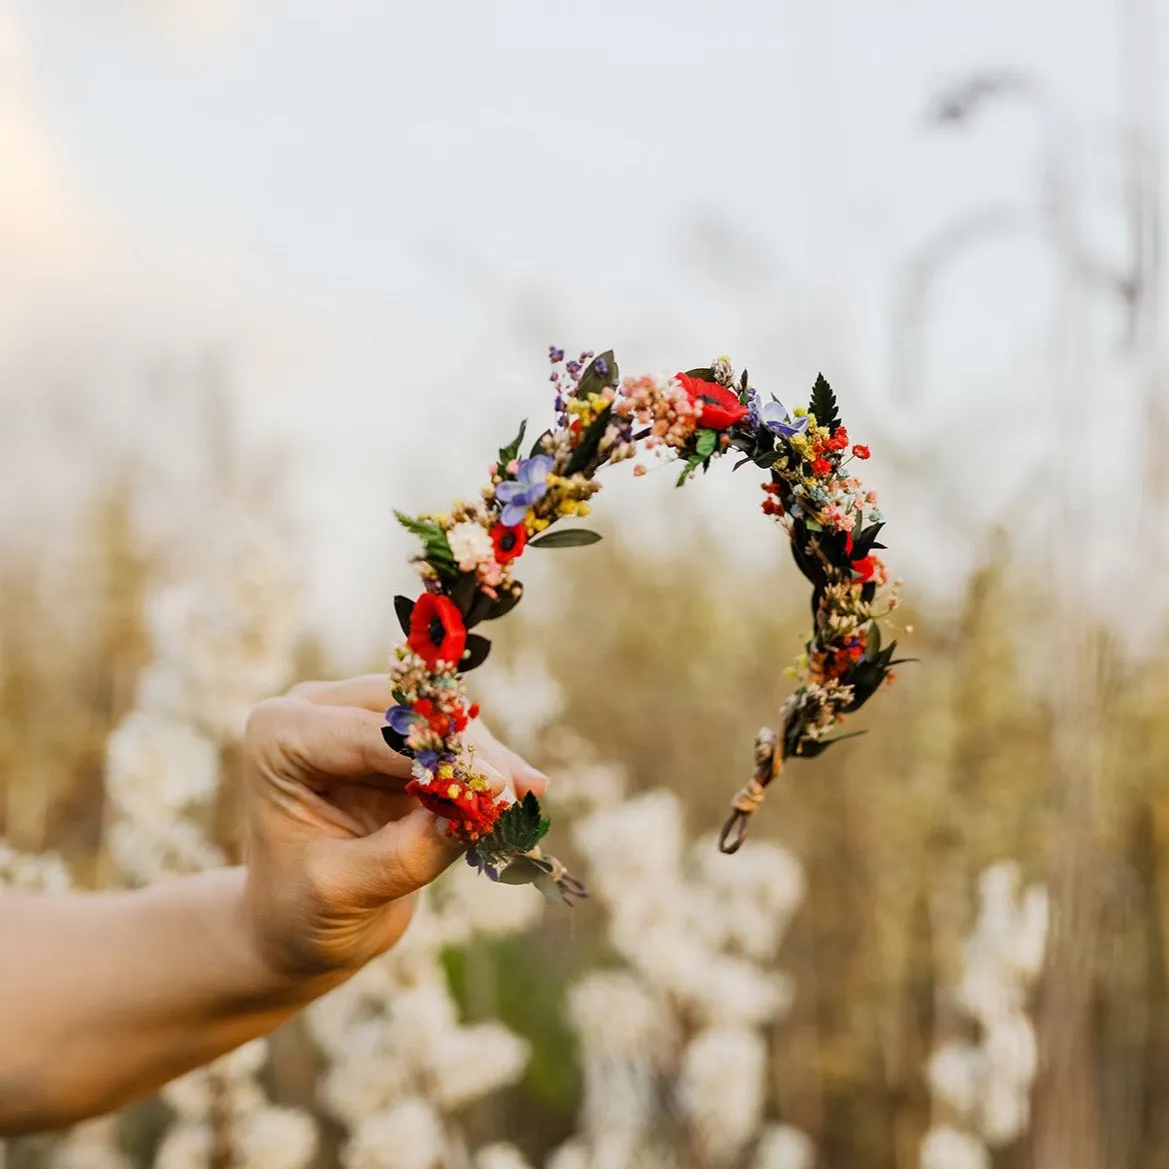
x=481, y=864
x=555, y=355
x=530, y=484
x=776, y=418
x=753, y=407
x=427, y=759
x=401, y=719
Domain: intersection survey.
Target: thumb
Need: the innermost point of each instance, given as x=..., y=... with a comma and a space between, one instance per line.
x=405, y=855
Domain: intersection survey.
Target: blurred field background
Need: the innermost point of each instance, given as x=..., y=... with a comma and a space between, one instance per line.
x=278, y=269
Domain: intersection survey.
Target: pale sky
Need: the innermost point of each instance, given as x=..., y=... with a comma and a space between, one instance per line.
x=381, y=213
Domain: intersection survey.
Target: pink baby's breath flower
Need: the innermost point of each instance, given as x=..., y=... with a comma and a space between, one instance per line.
x=639, y=470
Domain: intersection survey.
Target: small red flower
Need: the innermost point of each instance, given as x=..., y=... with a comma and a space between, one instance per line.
x=437, y=633
x=861, y=451
x=839, y=440
x=509, y=541
x=473, y=710
x=821, y=468
x=471, y=814
x=865, y=567
x=423, y=707
x=720, y=409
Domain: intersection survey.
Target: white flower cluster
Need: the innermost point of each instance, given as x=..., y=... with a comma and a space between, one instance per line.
x=35, y=873
x=680, y=1028
x=223, y=639
x=986, y=1086
x=400, y=1061
x=263, y=1135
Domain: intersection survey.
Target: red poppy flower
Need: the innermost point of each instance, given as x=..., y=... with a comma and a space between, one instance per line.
x=437, y=633
x=509, y=541
x=865, y=567
x=721, y=409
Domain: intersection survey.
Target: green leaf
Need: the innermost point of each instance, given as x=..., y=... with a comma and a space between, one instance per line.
x=705, y=374
x=518, y=830
x=399, y=696
x=525, y=870
x=567, y=538
x=707, y=441
x=813, y=747
x=538, y=445
x=436, y=550
x=866, y=541
x=393, y=740
x=475, y=654
x=509, y=452
x=403, y=607
x=462, y=592
x=873, y=643
x=593, y=381
x=692, y=465
x=551, y=890
x=823, y=404
x=589, y=443
x=505, y=604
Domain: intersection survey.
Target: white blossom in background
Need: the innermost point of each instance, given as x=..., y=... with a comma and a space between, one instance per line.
x=680, y=1030
x=501, y=1156
x=92, y=1145
x=42, y=872
x=720, y=1090
x=223, y=637
x=522, y=700
x=399, y=1058
x=783, y=1147
x=406, y=1135
x=986, y=1085
x=949, y=1148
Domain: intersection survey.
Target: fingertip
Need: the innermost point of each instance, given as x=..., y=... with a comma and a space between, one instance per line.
x=531, y=780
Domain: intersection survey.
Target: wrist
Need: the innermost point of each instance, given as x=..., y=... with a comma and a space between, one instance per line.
x=282, y=973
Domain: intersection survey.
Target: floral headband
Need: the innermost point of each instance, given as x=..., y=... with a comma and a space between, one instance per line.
x=468, y=559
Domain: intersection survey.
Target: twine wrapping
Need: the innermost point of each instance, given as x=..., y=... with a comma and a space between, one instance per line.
x=768, y=764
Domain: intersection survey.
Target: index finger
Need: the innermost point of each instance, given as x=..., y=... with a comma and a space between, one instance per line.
x=311, y=740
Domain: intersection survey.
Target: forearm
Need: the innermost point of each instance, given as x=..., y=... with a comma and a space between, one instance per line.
x=104, y=997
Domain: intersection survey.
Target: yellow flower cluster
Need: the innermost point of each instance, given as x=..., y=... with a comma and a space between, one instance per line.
x=566, y=497
x=587, y=409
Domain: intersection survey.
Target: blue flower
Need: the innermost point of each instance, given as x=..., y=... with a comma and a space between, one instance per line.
x=753, y=409
x=776, y=418
x=401, y=719
x=530, y=484
x=480, y=863
x=427, y=759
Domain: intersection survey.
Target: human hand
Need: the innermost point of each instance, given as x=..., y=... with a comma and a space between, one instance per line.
x=337, y=850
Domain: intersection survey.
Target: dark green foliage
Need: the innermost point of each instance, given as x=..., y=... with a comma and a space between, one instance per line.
x=403, y=607
x=590, y=442
x=593, y=380
x=823, y=404
x=568, y=538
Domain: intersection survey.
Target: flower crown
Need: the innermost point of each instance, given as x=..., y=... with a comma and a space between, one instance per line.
x=468, y=558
